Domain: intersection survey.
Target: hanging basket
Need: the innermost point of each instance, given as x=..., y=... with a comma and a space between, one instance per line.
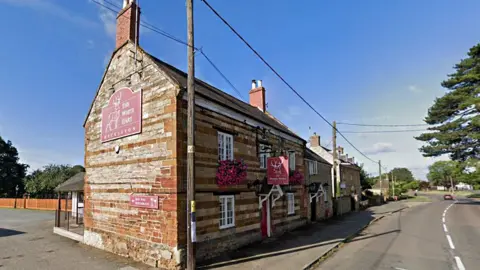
x=231, y=172
x=296, y=178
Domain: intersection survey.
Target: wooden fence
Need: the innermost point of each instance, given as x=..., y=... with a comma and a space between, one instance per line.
x=37, y=204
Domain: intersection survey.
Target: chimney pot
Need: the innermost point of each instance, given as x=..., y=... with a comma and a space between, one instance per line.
x=257, y=95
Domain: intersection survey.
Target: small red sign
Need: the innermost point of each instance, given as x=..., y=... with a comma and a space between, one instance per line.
x=123, y=115
x=277, y=171
x=144, y=201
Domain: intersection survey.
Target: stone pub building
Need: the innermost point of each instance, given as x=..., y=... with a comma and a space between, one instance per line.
x=135, y=160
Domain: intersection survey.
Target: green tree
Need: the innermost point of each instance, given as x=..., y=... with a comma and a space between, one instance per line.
x=402, y=174
x=365, y=179
x=43, y=182
x=469, y=172
x=11, y=170
x=439, y=173
x=454, y=117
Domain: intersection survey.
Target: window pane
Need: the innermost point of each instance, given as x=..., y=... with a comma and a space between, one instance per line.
x=220, y=146
x=291, y=160
x=228, y=148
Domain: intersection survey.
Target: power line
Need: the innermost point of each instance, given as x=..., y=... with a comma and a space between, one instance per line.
x=172, y=37
x=221, y=74
x=281, y=78
x=385, y=131
x=368, y=125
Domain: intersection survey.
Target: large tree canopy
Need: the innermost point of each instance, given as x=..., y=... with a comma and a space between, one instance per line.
x=455, y=117
x=401, y=174
x=42, y=182
x=439, y=173
x=11, y=170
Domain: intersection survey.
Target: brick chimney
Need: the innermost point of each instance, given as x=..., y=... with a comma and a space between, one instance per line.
x=257, y=95
x=314, y=140
x=127, y=23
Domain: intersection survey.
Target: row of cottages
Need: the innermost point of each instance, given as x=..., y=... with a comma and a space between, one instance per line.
x=135, y=160
x=347, y=190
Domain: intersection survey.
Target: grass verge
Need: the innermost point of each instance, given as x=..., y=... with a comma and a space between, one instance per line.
x=418, y=199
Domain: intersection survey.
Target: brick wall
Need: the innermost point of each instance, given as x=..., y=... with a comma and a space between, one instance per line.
x=211, y=239
x=145, y=164
x=154, y=163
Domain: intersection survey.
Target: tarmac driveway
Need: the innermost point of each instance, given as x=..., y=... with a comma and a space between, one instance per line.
x=27, y=242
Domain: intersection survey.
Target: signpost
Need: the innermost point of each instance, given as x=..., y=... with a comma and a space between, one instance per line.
x=122, y=116
x=144, y=201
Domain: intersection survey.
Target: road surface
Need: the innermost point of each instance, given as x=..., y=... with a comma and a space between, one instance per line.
x=27, y=242
x=438, y=235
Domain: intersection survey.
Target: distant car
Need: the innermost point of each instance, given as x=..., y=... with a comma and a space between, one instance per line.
x=447, y=197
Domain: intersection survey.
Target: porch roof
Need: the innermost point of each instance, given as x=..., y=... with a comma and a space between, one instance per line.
x=74, y=183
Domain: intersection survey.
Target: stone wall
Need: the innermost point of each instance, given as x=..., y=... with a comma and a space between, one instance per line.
x=350, y=175
x=211, y=239
x=146, y=164
x=324, y=175
x=343, y=205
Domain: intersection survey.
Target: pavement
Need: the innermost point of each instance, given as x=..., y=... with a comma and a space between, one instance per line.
x=437, y=235
x=304, y=247
x=27, y=242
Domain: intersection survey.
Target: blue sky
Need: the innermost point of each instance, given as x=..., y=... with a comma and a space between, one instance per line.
x=375, y=62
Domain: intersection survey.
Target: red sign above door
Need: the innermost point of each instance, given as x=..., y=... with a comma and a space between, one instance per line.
x=144, y=201
x=122, y=116
x=277, y=171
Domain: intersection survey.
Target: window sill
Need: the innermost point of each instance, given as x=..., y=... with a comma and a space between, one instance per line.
x=225, y=227
x=290, y=214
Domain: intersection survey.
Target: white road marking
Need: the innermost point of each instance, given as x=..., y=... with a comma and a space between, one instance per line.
x=443, y=219
x=445, y=228
x=398, y=268
x=450, y=242
x=459, y=263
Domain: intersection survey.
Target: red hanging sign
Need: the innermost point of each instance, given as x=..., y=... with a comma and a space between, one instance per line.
x=122, y=116
x=277, y=171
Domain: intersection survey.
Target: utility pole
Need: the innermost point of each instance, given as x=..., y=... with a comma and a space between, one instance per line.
x=392, y=181
x=380, y=175
x=451, y=184
x=191, y=219
x=335, y=175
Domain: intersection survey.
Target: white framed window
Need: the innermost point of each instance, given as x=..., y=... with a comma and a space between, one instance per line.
x=227, y=211
x=291, y=160
x=264, y=153
x=290, y=203
x=225, y=146
x=312, y=167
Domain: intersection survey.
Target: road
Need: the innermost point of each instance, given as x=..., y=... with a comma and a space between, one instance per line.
x=416, y=238
x=27, y=242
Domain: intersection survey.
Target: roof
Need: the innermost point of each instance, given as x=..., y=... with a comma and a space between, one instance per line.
x=74, y=183
x=311, y=155
x=207, y=91
x=210, y=92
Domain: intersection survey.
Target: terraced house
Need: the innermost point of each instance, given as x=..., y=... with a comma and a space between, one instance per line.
x=345, y=178
x=135, y=159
